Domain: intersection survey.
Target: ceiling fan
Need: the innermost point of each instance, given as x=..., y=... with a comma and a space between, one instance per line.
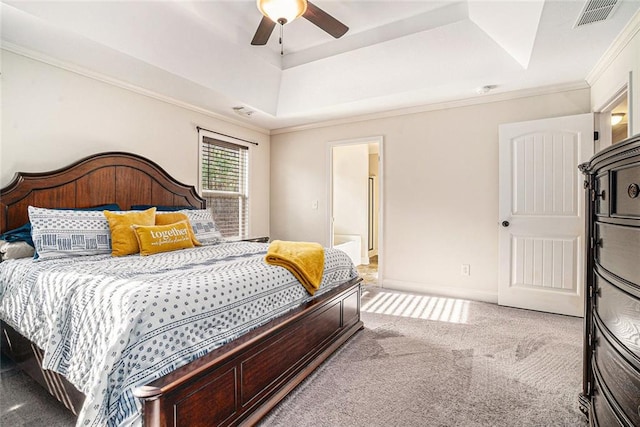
x=284, y=11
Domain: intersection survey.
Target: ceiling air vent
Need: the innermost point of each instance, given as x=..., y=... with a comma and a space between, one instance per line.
x=596, y=11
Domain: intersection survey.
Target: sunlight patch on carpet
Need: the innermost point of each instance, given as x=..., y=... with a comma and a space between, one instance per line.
x=441, y=309
x=15, y=407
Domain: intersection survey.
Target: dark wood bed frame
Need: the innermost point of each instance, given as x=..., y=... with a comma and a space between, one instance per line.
x=236, y=384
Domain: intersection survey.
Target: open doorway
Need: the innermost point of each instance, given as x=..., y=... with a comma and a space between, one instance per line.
x=620, y=120
x=613, y=121
x=355, y=203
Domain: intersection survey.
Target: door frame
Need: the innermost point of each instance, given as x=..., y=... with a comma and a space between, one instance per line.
x=359, y=141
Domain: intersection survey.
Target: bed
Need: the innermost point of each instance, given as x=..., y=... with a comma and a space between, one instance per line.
x=231, y=384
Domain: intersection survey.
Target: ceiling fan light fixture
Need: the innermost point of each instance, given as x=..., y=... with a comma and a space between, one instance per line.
x=282, y=11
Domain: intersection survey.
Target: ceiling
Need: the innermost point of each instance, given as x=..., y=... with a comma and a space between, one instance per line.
x=396, y=54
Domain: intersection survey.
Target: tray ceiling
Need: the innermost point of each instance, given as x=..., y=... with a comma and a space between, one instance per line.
x=397, y=54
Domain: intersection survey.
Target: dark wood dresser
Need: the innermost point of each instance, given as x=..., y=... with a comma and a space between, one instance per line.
x=611, y=384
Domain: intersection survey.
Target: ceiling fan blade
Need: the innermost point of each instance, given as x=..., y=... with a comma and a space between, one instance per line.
x=325, y=21
x=263, y=32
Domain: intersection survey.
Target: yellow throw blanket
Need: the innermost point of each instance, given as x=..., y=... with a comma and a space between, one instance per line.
x=305, y=260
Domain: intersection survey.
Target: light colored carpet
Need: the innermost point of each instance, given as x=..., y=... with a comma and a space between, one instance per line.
x=476, y=364
x=24, y=403
x=454, y=363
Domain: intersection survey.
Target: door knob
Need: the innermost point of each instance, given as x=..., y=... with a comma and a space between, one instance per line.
x=505, y=223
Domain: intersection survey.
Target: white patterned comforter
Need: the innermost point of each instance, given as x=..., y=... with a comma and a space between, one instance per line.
x=110, y=325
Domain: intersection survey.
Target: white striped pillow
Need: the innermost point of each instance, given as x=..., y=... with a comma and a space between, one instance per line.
x=62, y=233
x=204, y=227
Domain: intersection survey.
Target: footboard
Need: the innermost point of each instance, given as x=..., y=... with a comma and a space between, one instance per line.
x=240, y=382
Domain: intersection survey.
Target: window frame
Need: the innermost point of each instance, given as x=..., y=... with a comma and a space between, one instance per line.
x=245, y=231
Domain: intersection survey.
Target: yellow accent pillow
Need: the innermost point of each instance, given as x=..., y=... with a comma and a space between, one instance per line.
x=123, y=239
x=165, y=218
x=154, y=239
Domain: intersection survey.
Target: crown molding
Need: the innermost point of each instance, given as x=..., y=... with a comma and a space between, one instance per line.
x=497, y=97
x=40, y=57
x=616, y=47
x=484, y=99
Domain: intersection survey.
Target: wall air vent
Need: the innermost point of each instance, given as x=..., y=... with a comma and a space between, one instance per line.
x=596, y=11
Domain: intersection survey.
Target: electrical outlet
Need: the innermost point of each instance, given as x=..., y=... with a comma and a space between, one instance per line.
x=466, y=270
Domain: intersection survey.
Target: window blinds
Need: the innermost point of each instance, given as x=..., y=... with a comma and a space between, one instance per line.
x=224, y=173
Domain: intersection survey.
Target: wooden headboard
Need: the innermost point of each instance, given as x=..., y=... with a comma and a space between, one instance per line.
x=115, y=177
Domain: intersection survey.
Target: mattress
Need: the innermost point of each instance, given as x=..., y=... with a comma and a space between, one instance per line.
x=111, y=324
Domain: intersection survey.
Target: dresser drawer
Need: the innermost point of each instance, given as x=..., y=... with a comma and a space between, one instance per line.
x=625, y=200
x=617, y=249
x=621, y=378
x=619, y=312
x=601, y=413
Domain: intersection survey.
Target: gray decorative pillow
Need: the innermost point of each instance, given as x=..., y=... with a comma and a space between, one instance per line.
x=204, y=227
x=15, y=250
x=61, y=233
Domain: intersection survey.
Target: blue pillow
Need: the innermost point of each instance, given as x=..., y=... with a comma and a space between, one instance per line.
x=23, y=233
x=160, y=208
x=20, y=234
x=108, y=207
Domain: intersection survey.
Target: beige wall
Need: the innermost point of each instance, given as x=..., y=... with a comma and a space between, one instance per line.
x=441, y=179
x=350, y=185
x=52, y=117
x=440, y=189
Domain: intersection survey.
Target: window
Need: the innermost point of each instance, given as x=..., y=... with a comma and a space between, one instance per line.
x=223, y=183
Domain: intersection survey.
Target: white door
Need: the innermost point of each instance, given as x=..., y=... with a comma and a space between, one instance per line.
x=541, y=208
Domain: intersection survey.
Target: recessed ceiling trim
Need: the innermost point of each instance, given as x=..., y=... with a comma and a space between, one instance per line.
x=424, y=22
x=498, y=97
x=433, y=66
x=512, y=25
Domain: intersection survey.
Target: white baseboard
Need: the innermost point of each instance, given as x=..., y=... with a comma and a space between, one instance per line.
x=424, y=288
